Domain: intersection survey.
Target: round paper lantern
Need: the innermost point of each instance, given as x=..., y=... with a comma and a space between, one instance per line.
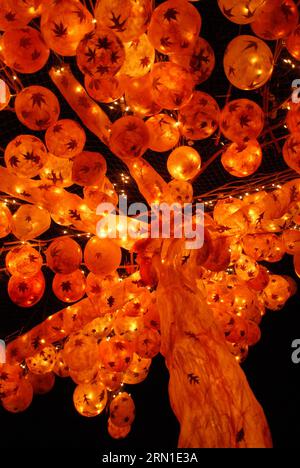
x=37, y=107
x=13, y=15
x=65, y=139
x=291, y=241
x=275, y=19
x=80, y=352
x=180, y=191
x=291, y=152
x=115, y=354
x=128, y=326
x=242, y=120
x=261, y=281
x=293, y=43
x=246, y=268
x=276, y=293
x=225, y=208
x=24, y=261
x=94, y=196
x=102, y=256
x=90, y=399
x=104, y=89
x=241, y=11
x=70, y=287
x=85, y=376
x=184, y=163
x=5, y=220
x=64, y=255
x=139, y=58
x=21, y=399
x=30, y=221
x=43, y=361
x=89, y=168
x=172, y=85
x=122, y=410
x=199, y=118
x=64, y=24
x=174, y=27
x=58, y=171
x=248, y=62
x=24, y=50
x=102, y=52
x=100, y=327
x=164, y=132
x=147, y=344
x=117, y=432
x=25, y=156
x=41, y=383
x=111, y=380
x=26, y=292
x=10, y=376
x=4, y=96
x=60, y=368
x=129, y=19
x=200, y=61
x=242, y=160
x=137, y=371
x=129, y=137
x=139, y=95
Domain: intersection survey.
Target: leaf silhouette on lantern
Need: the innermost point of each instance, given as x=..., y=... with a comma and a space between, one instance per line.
x=81, y=15
x=118, y=25
x=38, y=99
x=66, y=286
x=171, y=14
x=60, y=30
x=14, y=161
x=22, y=287
x=103, y=43
x=75, y=215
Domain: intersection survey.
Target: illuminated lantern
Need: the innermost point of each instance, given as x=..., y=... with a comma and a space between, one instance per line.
x=122, y=410
x=26, y=292
x=276, y=293
x=5, y=220
x=137, y=371
x=85, y=376
x=246, y=268
x=58, y=171
x=64, y=24
x=90, y=399
x=242, y=120
x=25, y=156
x=241, y=11
x=80, y=352
x=128, y=325
x=67, y=213
x=24, y=50
x=174, y=27
x=129, y=137
x=102, y=256
x=293, y=288
x=140, y=56
x=89, y=168
x=147, y=343
x=43, y=361
x=117, y=432
x=111, y=380
x=242, y=159
x=97, y=194
x=100, y=327
x=219, y=297
x=224, y=209
x=5, y=94
x=235, y=329
x=248, y=62
x=275, y=19
x=42, y=383
x=200, y=61
x=115, y=354
x=199, y=118
x=13, y=15
x=70, y=287
x=37, y=107
x=21, y=399
x=129, y=19
x=30, y=221
x=102, y=52
x=24, y=261
x=65, y=139
x=104, y=89
x=261, y=281
x=172, y=85
x=64, y=255
x=291, y=240
x=9, y=377
x=293, y=43
x=291, y=151
x=139, y=96
x=60, y=368
x=260, y=246
x=180, y=191
x=164, y=132
x=184, y=163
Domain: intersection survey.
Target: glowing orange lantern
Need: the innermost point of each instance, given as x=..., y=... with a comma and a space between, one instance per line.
x=129, y=137
x=184, y=163
x=89, y=168
x=64, y=255
x=26, y=292
x=104, y=89
x=293, y=43
x=199, y=118
x=140, y=56
x=180, y=191
x=111, y=380
x=80, y=352
x=5, y=95
x=25, y=156
x=138, y=370
x=242, y=160
x=65, y=139
x=117, y=432
x=291, y=240
x=58, y=171
x=43, y=361
x=90, y=399
x=147, y=344
x=242, y=11
x=115, y=354
x=10, y=376
x=41, y=383
x=103, y=193
x=139, y=95
x=13, y=15
x=164, y=132
x=85, y=376
x=174, y=27
x=60, y=368
x=248, y=62
x=37, y=107
x=275, y=19
x=242, y=120
x=100, y=327
x=21, y=399
x=291, y=151
x=276, y=293
x=5, y=220
x=30, y=221
x=246, y=268
x=122, y=410
x=24, y=261
x=102, y=256
x=70, y=287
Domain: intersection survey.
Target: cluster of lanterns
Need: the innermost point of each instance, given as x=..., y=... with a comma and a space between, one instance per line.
x=150, y=62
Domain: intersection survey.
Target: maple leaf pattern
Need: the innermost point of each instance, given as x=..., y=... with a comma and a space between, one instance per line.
x=22, y=287
x=66, y=286
x=110, y=301
x=103, y=43
x=171, y=14
x=14, y=161
x=165, y=41
x=75, y=215
x=118, y=25
x=38, y=99
x=10, y=16
x=193, y=379
x=25, y=42
x=244, y=120
x=80, y=14
x=60, y=30
x=72, y=144
x=35, y=55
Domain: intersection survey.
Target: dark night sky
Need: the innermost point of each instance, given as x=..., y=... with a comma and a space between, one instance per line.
x=52, y=421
